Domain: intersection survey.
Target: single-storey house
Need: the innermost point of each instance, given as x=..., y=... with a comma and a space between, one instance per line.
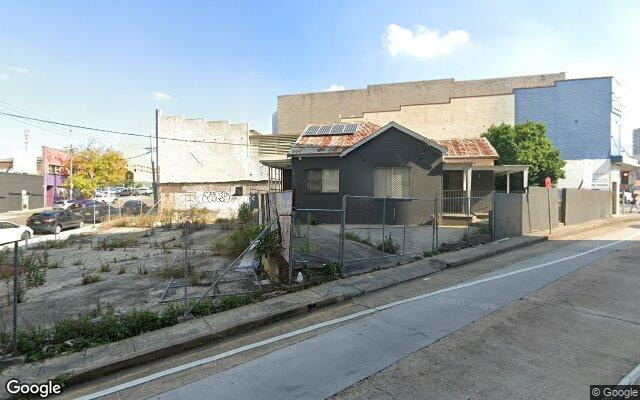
x=329, y=161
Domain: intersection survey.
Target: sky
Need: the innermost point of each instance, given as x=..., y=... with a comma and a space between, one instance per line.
x=110, y=64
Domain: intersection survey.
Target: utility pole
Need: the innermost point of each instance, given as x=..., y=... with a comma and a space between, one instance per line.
x=70, y=171
x=153, y=173
x=157, y=168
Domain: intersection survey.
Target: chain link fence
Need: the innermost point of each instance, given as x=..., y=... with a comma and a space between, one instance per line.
x=379, y=232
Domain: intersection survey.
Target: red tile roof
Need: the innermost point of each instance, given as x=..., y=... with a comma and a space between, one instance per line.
x=334, y=144
x=330, y=144
x=468, y=148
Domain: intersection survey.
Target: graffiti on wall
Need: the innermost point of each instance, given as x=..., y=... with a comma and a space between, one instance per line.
x=221, y=201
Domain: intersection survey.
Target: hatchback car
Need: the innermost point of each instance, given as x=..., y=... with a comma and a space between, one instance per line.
x=134, y=207
x=10, y=232
x=127, y=192
x=54, y=221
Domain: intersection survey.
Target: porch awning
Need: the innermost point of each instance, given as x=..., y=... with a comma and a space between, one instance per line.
x=284, y=163
x=494, y=168
x=625, y=162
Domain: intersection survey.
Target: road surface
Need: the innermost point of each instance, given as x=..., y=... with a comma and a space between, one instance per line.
x=540, y=322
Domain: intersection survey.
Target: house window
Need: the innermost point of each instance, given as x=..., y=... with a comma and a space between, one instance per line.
x=55, y=169
x=323, y=180
x=393, y=182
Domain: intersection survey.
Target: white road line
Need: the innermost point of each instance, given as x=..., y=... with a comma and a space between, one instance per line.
x=631, y=377
x=310, y=328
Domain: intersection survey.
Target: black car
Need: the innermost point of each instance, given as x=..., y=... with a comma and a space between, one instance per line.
x=126, y=192
x=54, y=221
x=134, y=207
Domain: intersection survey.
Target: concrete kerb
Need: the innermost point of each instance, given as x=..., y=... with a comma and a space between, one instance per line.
x=101, y=360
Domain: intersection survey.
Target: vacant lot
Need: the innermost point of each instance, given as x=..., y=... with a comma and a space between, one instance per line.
x=123, y=268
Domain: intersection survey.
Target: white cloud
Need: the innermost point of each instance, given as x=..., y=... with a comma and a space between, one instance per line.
x=161, y=96
x=20, y=70
x=334, y=88
x=424, y=42
x=5, y=76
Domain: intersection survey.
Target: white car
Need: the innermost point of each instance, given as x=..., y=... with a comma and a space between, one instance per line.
x=144, y=191
x=104, y=198
x=10, y=232
x=62, y=204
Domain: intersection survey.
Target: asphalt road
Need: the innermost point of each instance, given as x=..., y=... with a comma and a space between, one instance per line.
x=540, y=322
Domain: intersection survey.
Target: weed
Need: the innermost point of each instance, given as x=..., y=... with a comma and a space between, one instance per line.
x=78, y=262
x=122, y=270
x=88, y=279
x=105, y=267
x=306, y=248
x=100, y=327
x=388, y=245
x=332, y=269
x=143, y=270
x=356, y=238
x=111, y=243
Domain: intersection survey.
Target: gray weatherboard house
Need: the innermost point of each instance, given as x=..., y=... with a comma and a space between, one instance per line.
x=362, y=159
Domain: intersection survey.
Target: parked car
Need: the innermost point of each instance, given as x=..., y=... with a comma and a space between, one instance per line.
x=54, y=221
x=134, y=207
x=80, y=203
x=144, y=191
x=97, y=212
x=126, y=192
x=62, y=204
x=10, y=232
x=104, y=198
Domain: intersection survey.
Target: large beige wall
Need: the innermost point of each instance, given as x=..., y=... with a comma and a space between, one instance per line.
x=184, y=162
x=296, y=111
x=465, y=117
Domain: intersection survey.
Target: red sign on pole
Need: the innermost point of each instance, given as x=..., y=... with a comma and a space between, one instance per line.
x=547, y=182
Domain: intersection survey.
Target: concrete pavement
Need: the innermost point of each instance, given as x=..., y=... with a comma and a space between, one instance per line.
x=381, y=336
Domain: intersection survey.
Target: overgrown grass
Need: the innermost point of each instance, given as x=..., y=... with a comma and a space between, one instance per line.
x=61, y=243
x=101, y=327
x=356, y=238
x=234, y=243
x=120, y=241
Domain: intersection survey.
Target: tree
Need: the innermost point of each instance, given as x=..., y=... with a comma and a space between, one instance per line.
x=527, y=144
x=96, y=167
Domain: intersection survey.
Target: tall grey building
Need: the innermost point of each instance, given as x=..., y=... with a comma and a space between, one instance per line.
x=636, y=143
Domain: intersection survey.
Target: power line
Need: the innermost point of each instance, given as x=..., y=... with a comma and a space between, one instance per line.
x=116, y=132
x=139, y=155
x=61, y=131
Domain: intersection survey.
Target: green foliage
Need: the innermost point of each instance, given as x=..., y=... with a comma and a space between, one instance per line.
x=389, y=245
x=111, y=243
x=96, y=167
x=269, y=244
x=306, y=247
x=36, y=277
x=356, y=238
x=245, y=215
x=527, y=144
x=332, y=269
x=101, y=327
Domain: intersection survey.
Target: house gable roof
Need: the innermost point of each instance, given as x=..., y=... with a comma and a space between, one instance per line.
x=341, y=145
x=469, y=148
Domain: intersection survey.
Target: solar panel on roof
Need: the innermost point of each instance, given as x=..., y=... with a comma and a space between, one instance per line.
x=350, y=128
x=324, y=130
x=311, y=130
x=336, y=129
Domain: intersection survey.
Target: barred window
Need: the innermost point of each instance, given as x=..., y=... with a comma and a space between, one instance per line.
x=393, y=182
x=323, y=180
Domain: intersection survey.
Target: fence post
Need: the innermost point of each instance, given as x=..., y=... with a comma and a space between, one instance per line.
x=94, y=213
x=291, y=227
x=468, y=220
x=493, y=218
x=384, y=215
x=433, y=224
x=16, y=273
x=109, y=211
x=437, y=221
x=343, y=221
x=186, y=270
